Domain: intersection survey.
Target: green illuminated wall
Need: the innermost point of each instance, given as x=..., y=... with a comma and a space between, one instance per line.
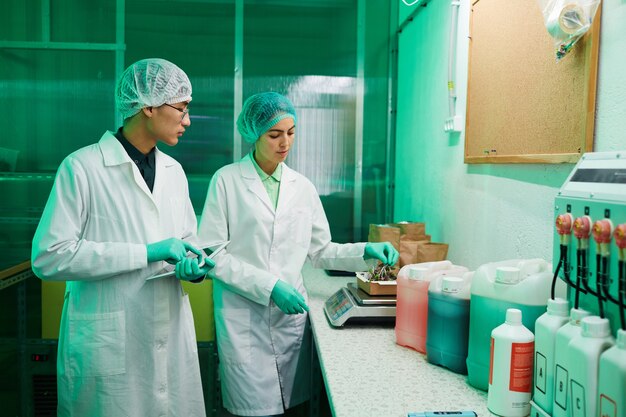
x=485, y=212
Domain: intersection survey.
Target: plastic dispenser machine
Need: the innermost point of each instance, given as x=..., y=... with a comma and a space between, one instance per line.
x=589, y=255
x=590, y=212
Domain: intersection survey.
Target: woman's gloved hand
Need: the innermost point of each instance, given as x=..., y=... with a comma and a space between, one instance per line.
x=189, y=270
x=383, y=251
x=288, y=299
x=170, y=250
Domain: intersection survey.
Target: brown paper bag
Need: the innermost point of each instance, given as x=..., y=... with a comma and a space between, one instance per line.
x=411, y=230
x=408, y=250
x=430, y=252
x=384, y=233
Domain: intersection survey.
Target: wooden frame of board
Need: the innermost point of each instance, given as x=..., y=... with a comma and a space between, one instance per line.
x=522, y=105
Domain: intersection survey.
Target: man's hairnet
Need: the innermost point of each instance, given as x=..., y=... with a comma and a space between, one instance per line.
x=262, y=111
x=150, y=82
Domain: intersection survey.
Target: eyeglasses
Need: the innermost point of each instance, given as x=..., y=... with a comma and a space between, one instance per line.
x=184, y=112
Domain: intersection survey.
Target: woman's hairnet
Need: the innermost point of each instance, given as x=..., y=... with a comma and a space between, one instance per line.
x=262, y=111
x=151, y=82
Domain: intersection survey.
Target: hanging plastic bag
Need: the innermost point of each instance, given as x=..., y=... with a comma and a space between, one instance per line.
x=567, y=21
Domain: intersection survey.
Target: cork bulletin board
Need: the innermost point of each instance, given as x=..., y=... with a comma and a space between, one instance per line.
x=523, y=106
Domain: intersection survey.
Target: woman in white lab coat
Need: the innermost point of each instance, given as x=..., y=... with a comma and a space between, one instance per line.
x=127, y=346
x=274, y=220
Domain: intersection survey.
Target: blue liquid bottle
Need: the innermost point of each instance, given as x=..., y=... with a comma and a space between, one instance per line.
x=448, y=322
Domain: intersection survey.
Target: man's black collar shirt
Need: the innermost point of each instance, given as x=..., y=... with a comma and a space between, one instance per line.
x=145, y=163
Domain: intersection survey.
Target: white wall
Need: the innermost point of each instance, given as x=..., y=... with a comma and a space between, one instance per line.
x=485, y=212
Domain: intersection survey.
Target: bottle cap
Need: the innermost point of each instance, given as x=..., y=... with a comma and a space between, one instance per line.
x=576, y=315
x=621, y=339
x=507, y=275
x=530, y=266
x=451, y=284
x=417, y=272
x=594, y=326
x=513, y=316
x=558, y=307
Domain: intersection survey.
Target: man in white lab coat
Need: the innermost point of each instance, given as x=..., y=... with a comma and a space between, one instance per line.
x=274, y=219
x=118, y=212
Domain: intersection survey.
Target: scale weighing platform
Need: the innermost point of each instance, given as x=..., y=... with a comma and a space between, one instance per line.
x=352, y=304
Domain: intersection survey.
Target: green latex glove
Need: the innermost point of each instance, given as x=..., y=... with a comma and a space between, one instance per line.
x=189, y=270
x=383, y=251
x=170, y=250
x=288, y=299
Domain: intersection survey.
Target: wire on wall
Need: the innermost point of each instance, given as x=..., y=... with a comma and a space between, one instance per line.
x=453, y=123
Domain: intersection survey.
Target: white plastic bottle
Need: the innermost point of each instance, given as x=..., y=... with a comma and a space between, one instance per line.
x=511, y=367
x=517, y=283
x=612, y=379
x=561, y=363
x=584, y=357
x=546, y=327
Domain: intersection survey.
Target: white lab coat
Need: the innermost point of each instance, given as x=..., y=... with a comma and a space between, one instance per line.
x=127, y=346
x=265, y=354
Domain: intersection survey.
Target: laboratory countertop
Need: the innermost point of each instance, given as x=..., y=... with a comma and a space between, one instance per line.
x=367, y=374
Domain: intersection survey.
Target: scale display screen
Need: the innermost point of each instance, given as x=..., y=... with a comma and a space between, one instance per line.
x=342, y=306
x=337, y=305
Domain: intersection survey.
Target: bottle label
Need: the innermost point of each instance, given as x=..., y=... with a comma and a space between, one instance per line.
x=561, y=379
x=578, y=399
x=491, y=362
x=608, y=408
x=521, y=372
x=540, y=372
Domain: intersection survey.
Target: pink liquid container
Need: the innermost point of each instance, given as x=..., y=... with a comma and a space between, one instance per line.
x=412, y=300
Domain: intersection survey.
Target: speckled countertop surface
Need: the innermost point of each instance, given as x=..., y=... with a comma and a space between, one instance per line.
x=367, y=374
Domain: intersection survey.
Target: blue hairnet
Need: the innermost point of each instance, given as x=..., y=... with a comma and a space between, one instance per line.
x=262, y=111
x=150, y=82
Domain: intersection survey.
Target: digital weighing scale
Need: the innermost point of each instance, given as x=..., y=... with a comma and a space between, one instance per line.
x=352, y=304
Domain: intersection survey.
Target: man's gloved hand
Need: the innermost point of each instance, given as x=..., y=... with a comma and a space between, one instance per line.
x=189, y=270
x=383, y=251
x=170, y=250
x=288, y=299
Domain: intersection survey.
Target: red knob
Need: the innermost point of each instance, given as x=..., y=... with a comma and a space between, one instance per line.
x=564, y=224
x=602, y=230
x=582, y=227
x=620, y=236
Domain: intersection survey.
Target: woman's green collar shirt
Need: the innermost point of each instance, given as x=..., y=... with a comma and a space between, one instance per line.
x=270, y=182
